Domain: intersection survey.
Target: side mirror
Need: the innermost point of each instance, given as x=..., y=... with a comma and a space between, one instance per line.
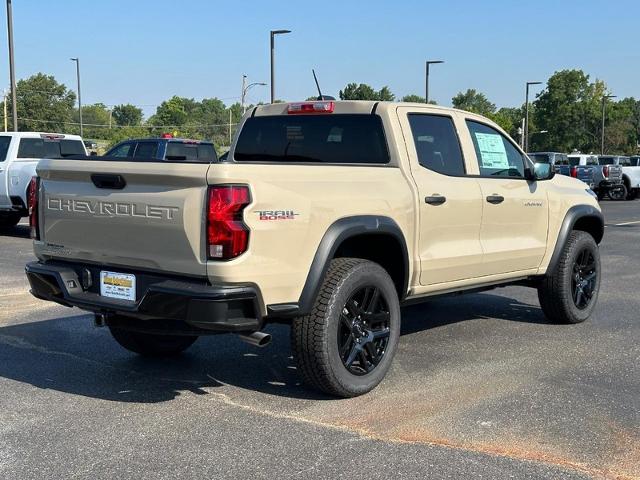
x=543, y=171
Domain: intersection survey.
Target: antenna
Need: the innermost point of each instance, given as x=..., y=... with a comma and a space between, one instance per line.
x=317, y=84
x=320, y=96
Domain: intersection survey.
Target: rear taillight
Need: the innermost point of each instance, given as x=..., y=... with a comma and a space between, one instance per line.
x=310, y=107
x=32, y=204
x=227, y=235
x=605, y=170
x=573, y=171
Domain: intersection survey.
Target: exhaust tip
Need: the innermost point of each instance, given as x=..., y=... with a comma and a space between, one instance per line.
x=257, y=339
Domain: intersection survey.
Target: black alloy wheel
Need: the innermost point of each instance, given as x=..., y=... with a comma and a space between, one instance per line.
x=363, y=333
x=584, y=279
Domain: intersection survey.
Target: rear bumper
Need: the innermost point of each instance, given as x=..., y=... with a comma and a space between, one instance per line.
x=609, y=184
x=213, y=308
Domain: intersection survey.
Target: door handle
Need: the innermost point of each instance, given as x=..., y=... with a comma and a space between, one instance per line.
x=435, y=199
x=495, y=199
x=111, y=182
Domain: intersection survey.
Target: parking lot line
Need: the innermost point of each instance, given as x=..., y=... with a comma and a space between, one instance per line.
x=626, y=223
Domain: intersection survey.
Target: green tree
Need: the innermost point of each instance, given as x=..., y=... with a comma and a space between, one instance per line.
x=127, y=114
x=413, y=98
x=44, y=104
x=569, y=108
x=473, y=101
x=93, y=115
x=363, y=91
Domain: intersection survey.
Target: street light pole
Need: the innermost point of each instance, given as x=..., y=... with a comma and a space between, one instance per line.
x=245, y=89
x=272, y=35
x=526, y=116
x=604, y=98
x=426, y=80
x=77, y=60
x=12, y=69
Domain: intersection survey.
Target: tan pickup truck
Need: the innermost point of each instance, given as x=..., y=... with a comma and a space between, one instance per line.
x=325, y=215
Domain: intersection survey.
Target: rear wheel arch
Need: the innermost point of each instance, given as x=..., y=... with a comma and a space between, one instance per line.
x=370, y=237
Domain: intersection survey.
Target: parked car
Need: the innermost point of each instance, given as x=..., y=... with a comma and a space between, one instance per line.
x=630, y=173
x=325, y=216
x=165, y=148
x=574, y=166
x=20, y=152
x=609, y=178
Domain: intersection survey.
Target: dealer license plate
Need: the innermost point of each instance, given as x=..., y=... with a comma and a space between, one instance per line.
x=118, y=285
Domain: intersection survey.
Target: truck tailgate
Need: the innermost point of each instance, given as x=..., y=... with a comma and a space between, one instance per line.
x=146, y=215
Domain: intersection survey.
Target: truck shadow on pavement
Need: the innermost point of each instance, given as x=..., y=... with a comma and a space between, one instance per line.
x=19, y=231
x=69, y=355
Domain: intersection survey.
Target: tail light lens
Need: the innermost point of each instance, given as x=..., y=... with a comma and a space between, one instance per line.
x=227, y=235
x=310, y=107
x=605, y=170
x=32, y=203
x=574, y=172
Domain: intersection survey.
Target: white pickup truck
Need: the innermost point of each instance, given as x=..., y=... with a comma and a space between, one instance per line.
x=20, y=153
x=630, y=175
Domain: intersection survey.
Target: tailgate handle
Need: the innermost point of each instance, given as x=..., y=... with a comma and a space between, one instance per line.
x=105, y=180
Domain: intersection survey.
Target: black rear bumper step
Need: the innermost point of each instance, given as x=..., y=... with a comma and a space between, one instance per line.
x=214, y=308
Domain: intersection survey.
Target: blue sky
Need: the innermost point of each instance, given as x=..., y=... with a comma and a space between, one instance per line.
x=142, y=52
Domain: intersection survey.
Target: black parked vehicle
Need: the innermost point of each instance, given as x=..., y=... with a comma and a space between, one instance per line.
x=166, y=148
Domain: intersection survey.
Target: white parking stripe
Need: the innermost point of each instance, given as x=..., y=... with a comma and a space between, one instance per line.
x=627, y=223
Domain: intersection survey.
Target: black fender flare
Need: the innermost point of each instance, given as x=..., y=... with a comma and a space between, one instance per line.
x=338, y=232
x=574, y=214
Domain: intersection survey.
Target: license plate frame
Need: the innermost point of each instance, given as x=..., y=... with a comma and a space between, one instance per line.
x=120, y=286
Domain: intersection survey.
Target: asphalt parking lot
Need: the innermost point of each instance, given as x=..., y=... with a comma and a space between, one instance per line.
x=482, y=387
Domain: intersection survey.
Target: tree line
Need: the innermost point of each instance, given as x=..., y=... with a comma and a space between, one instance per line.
x=565, y=116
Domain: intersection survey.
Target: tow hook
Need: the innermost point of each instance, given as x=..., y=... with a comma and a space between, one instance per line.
x=99, y=320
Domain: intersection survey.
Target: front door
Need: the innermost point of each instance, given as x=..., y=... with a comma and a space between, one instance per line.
x=450, y=204
x=515, y=213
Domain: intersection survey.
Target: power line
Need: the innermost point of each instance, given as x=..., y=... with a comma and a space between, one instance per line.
x=191, y=125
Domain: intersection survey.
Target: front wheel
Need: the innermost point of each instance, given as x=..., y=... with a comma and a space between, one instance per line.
x=568, y=294
x=151, y=345
x=346, y=345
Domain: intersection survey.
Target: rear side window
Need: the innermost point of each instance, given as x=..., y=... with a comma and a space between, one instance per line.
x=123, y=150
x=49, y=148
x=330, y=138
x=437, y=144
x=4, y=147
x=190, y=152
x=606, y=161
x=497, y=157
x=146, y=150
x=625, y=162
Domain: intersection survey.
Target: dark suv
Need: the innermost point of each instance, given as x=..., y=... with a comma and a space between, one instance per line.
x=168, y=149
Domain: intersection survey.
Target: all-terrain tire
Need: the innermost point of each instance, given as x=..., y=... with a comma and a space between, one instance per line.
x=556, y=292
x=620, y=193
x=314, y=337
x=151, y=345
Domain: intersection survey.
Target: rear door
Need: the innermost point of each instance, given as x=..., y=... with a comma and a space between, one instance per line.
x=450, y=206
x=515, y=211
x=146, y=215
x=5, y=142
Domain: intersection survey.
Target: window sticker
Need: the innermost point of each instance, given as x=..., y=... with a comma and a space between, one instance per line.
x=492, y=151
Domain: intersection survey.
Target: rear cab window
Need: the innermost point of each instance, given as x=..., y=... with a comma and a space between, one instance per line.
x=49, y=148
x=606, y=160
x=330, y=138
x=497, y=156
x=190, y=152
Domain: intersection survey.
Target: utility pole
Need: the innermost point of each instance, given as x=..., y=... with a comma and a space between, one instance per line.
x=244, y=82
x=426, y=79
x=12, y=69
x=4, y=104
x=77, y=60
x=272, y=35
x=526, y=116
x=604, y=99
x=229, y=126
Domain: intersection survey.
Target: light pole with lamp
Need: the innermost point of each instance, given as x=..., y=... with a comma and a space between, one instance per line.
x=77, y=60
x=245, y=89
x=426, y=79
x=526, y=115
x=272, y=35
